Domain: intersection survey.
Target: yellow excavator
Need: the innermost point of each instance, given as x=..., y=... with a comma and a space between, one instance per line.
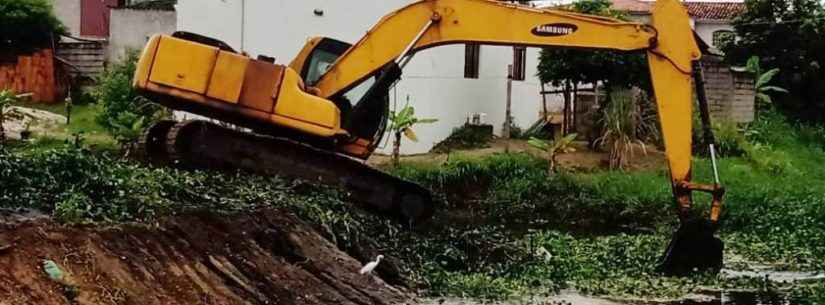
x=320, y=116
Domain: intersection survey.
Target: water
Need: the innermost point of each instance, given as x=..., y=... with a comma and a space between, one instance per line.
x=743, y=298
x=574, y=298
x=775, y=276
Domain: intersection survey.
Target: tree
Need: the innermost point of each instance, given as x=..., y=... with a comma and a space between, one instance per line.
x=567, y=67
x=788, y=35
x=402, y=122
x=27, y=25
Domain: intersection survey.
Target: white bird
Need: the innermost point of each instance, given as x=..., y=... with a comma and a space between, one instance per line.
x=367, y=269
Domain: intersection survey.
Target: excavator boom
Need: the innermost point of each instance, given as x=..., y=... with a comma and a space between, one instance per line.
x=308, y=103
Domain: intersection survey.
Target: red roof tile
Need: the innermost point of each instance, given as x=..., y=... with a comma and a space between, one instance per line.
x=699, y=10
x=633, y=6
x=715, y=10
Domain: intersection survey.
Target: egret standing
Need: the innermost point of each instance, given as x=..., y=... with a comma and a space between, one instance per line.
x=367, y=269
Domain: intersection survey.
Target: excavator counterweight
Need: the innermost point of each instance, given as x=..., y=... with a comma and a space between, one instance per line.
x=306, y=119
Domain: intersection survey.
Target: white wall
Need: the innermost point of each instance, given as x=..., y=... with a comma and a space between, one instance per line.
x=434, y=80
x=68, y=11
x=131, y=29
x=705, y=30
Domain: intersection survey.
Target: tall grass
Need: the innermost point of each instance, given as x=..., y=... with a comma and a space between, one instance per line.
x=622, y=121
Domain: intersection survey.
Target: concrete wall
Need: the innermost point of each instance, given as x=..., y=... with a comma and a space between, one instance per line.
x=130, y=29
x=434, y=80
x=68, y=11
x=730, y=94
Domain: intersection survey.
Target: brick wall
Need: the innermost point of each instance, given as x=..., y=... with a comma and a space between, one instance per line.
x=730, y=93
x=32, y=73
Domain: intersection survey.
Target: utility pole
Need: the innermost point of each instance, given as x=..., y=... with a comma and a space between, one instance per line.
x=543, y=102
x=505, y=132
x=243, y=25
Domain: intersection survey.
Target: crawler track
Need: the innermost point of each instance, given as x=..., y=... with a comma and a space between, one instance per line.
x=204, y=145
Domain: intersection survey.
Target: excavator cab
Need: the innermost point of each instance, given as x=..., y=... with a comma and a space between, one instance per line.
x=364, y=106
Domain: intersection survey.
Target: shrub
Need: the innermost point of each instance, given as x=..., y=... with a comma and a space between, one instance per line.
x=730, y=139
x=6, y=99
x=123, y=111
x=465, y=137
x=621, y=119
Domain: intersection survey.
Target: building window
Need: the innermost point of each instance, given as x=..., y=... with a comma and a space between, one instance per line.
x=519, y=62
x=721, y=38
x=472, y=54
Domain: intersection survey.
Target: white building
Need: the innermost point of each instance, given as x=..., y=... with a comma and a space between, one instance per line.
x=435, y=80
x=711, y=19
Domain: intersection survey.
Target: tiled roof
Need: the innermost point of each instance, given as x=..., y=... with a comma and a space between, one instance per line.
x=633, y=6
x=715, y=10
x=700, y=10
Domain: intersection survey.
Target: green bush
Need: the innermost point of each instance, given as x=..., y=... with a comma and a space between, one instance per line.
x=123, y=111
x=27, y=25
x=730, y=139
x=465, y=137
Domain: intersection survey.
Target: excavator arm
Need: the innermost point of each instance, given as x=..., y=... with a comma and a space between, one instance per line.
x=669, y=43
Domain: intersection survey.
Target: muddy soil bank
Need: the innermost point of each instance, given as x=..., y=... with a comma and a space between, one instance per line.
x=269, y=257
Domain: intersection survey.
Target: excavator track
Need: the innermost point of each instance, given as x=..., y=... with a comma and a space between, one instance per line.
x=203, y=145
x=152, y=143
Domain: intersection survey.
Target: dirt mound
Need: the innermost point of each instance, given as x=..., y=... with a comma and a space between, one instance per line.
x=266, y=258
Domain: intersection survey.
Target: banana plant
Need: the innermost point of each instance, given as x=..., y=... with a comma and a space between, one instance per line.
x=763, y=78
x=553, y=149
x=402, y=122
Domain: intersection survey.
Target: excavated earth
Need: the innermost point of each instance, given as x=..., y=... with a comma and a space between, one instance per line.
x=267, y=257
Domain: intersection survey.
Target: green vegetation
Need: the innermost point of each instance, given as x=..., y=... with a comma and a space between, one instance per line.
x=466, y=137
x=553, y=149
x=124, y=113
x=6, y=99
x=621, y=120
x=773, y=212
x=763, y=78
x=83, y=125
x=505, y=227
x=798, y=25
x=26, y=25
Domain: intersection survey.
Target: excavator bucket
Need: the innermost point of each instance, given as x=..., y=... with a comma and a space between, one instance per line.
x=694, y=246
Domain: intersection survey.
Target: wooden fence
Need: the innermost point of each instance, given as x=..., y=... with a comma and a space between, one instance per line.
x=34, y=73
